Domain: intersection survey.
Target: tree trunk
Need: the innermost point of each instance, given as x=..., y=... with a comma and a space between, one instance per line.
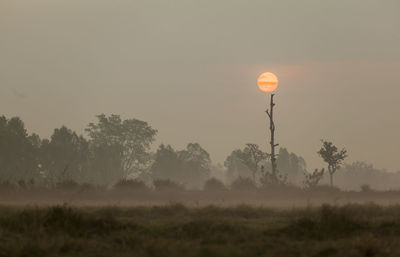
x=331, y=172
x=272, y=140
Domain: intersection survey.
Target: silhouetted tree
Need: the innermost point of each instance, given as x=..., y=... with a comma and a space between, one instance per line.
x=251, y=156
x=352, y=175
x=190, y=166
x=196, y=164
x=290, y=164
x=167, y=164
x=235, y=166
x=283, y=160
x=18, y=150
x=332, y=157
x=65, y=156
x=120, y=147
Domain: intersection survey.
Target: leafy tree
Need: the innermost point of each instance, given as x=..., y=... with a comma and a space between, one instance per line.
x=235, y=166
x=190, y=166
x=18, y=150
x=196, y=164
x=120, y=147
x=65, y=156
x=283, y=160
x=105, y=164
x=354, y=174
x=290, y=164
x=332, y=156
x=289, y=168
x=167, y=164
x=251, y=156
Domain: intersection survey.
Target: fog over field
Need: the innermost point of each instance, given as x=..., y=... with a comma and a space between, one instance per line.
x=152, y=128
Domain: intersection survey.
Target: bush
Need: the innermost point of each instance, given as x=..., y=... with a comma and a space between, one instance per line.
x=67, y=184
x=166, y=184
x=243, y=184
x=366, y=188
x=214, y=184
x=282, y=188
x=331, y=221
x=5, y=184
x=131, y=184
x=26, y=184
x=325, y=189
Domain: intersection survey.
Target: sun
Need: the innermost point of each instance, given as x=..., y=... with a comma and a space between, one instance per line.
x=267, y=82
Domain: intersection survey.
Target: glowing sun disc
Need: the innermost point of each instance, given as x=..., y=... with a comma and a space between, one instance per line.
x=267, y=82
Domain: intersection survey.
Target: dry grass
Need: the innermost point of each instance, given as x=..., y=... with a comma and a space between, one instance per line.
x=176, y=230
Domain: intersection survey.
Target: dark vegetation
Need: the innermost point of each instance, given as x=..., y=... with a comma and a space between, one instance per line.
x=176, y=230
x=333, y=157
x=163, y=191
x=114, y=166
x=116, y=156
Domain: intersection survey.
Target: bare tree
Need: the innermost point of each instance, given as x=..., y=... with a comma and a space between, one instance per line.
x=311, y=180
x=334, y=158
x=272, y=155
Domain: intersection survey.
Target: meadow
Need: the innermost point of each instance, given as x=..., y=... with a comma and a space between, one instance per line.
x=178, y=230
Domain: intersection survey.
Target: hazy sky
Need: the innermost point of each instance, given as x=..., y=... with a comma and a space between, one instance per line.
x=189, y=68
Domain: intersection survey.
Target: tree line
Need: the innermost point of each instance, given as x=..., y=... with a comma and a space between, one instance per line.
x=114, y=148
x=117, y=148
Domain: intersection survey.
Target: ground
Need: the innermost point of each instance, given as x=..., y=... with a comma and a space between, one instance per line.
x=177, y=230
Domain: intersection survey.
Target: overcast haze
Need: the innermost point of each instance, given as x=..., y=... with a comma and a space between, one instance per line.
x=189, y=68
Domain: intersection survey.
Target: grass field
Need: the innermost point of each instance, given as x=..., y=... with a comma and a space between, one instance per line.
x=175, y=230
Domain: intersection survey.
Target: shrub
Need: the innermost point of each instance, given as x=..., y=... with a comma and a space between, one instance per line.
x=5, y=184
x=131, y=184
x=366, y=188
x=243, y=184
x=282, y=188
x=22, y=184
x=325, y=189
x=331, y=221
x=214, y=184
x=167, y=184
x=67, y=184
